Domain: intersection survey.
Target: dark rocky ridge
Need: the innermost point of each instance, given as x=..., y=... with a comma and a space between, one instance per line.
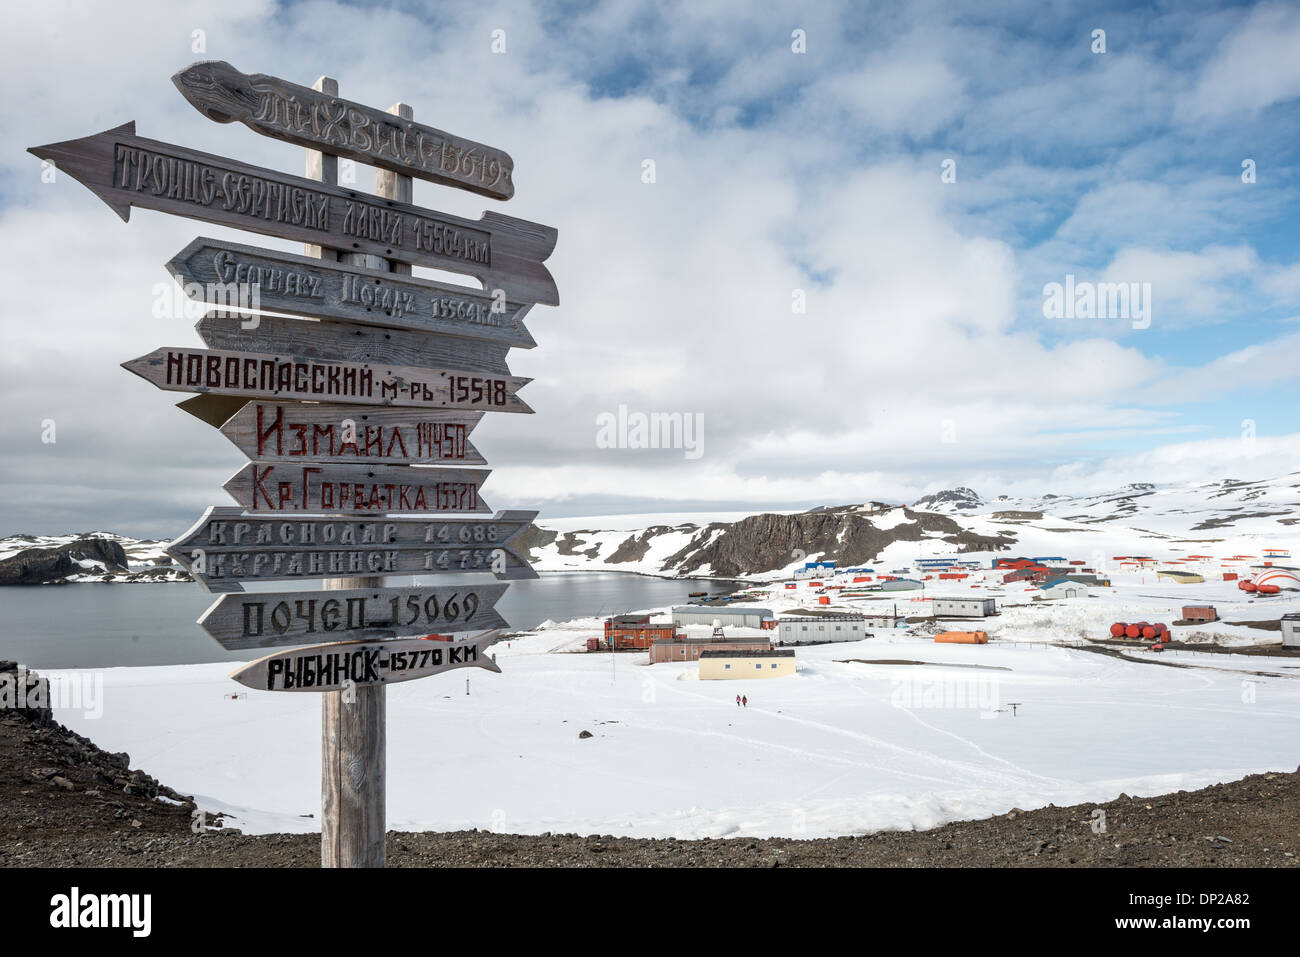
x=769, y=542
x=39, y=566
x=763, y=543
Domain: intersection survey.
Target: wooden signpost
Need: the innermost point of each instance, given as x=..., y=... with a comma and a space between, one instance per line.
x=258, y=375
x=275, y=619
x=210, y=270
x=358, y=664
x=308, y=117
x=354, y=406
x=349, y=342
x=226, y=547
x=373, y=489
x=298, y=432
x=126, y=170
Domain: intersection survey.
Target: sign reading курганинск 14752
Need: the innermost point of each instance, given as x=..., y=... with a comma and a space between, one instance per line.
x=226, y=548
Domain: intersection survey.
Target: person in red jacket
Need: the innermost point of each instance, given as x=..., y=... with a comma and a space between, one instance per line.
x=745, y=701
x=737, y=701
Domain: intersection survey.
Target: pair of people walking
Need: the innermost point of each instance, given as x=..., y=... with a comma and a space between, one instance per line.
x=742, y=701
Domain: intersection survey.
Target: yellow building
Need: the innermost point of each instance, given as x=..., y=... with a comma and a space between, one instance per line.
x=1182, y=577
x=715, y=665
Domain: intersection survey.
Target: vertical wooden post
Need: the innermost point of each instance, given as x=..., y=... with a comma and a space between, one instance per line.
x=354, y=735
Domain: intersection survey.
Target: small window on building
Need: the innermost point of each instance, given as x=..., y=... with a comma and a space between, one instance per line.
x=774, y=664
x=837, y=628
x=821, y=627
x=759, y=665
x=726, y=667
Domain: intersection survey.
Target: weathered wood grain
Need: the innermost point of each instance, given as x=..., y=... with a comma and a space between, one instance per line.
x=357, y=664
x=239, y=276
x=371, y=489
x=126, y=170
x=258, y=375
x=281, y=619
x=353, y=777
x=226, y=548
x=307, y=432
x=315, y=119
x=349, y=342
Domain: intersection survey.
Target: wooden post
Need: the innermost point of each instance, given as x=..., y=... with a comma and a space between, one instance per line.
x=354, y=735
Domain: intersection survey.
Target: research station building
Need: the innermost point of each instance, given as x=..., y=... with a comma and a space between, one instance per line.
x=814, y=629
x=964, y=607
x=736, y=665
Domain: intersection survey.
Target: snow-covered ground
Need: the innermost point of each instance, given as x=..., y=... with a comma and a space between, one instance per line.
x=842, y=747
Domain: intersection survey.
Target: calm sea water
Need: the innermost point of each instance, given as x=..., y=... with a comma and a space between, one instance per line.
x=105, y=625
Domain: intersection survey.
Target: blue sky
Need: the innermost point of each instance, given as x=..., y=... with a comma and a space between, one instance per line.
x=923, y=359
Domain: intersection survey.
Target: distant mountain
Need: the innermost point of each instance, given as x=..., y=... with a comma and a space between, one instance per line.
x=87, y=557
x=1142, y=518
x=1166, y=521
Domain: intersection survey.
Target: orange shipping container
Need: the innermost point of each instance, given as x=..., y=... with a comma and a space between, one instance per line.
x=962, y=637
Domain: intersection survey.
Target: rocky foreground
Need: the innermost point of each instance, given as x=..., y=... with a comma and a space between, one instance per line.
x=66, y=803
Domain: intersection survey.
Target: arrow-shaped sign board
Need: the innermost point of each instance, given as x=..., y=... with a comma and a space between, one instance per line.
x=281, y=619
x=257, y=375
x=316, y=120
x=126, y=170
x=337, y=666
x=226, y=548
x=349, y=342
x=230, y=274
x=376, y=489
x=307, y=432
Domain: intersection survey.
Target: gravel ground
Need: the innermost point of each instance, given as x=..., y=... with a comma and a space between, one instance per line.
x=65, y=803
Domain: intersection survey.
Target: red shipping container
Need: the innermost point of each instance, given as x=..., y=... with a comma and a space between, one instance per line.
x=1229, y=576
x=824, y=600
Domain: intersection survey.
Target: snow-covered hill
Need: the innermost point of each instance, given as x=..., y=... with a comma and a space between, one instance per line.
x=1165, y=522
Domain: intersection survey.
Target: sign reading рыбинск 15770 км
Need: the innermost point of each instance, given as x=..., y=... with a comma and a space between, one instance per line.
x=126, y=170
x=339, y=665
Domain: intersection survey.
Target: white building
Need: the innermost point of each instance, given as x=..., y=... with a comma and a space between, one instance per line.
x=819, y=628
x=1291, y=630
x=746, y=616
x=964, y=607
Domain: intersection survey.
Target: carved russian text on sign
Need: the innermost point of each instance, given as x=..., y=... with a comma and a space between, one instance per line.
x=258, y=375
x=126, y=170
x=307, y=432
x=375, y=489
x=307, y=117
x=209, y=269
x=281, y=619
x=336, y=666
x=226, y=547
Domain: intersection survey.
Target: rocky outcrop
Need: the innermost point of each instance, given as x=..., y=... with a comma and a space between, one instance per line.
x=40, y=566
x=765, y=543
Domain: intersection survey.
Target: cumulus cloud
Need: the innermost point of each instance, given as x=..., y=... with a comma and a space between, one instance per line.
x=780, y=179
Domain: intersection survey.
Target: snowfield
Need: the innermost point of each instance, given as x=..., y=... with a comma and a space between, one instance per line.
x=843, y=747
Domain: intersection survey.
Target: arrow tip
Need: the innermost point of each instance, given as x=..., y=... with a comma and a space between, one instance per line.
x=77, y=159
x=217, y=90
